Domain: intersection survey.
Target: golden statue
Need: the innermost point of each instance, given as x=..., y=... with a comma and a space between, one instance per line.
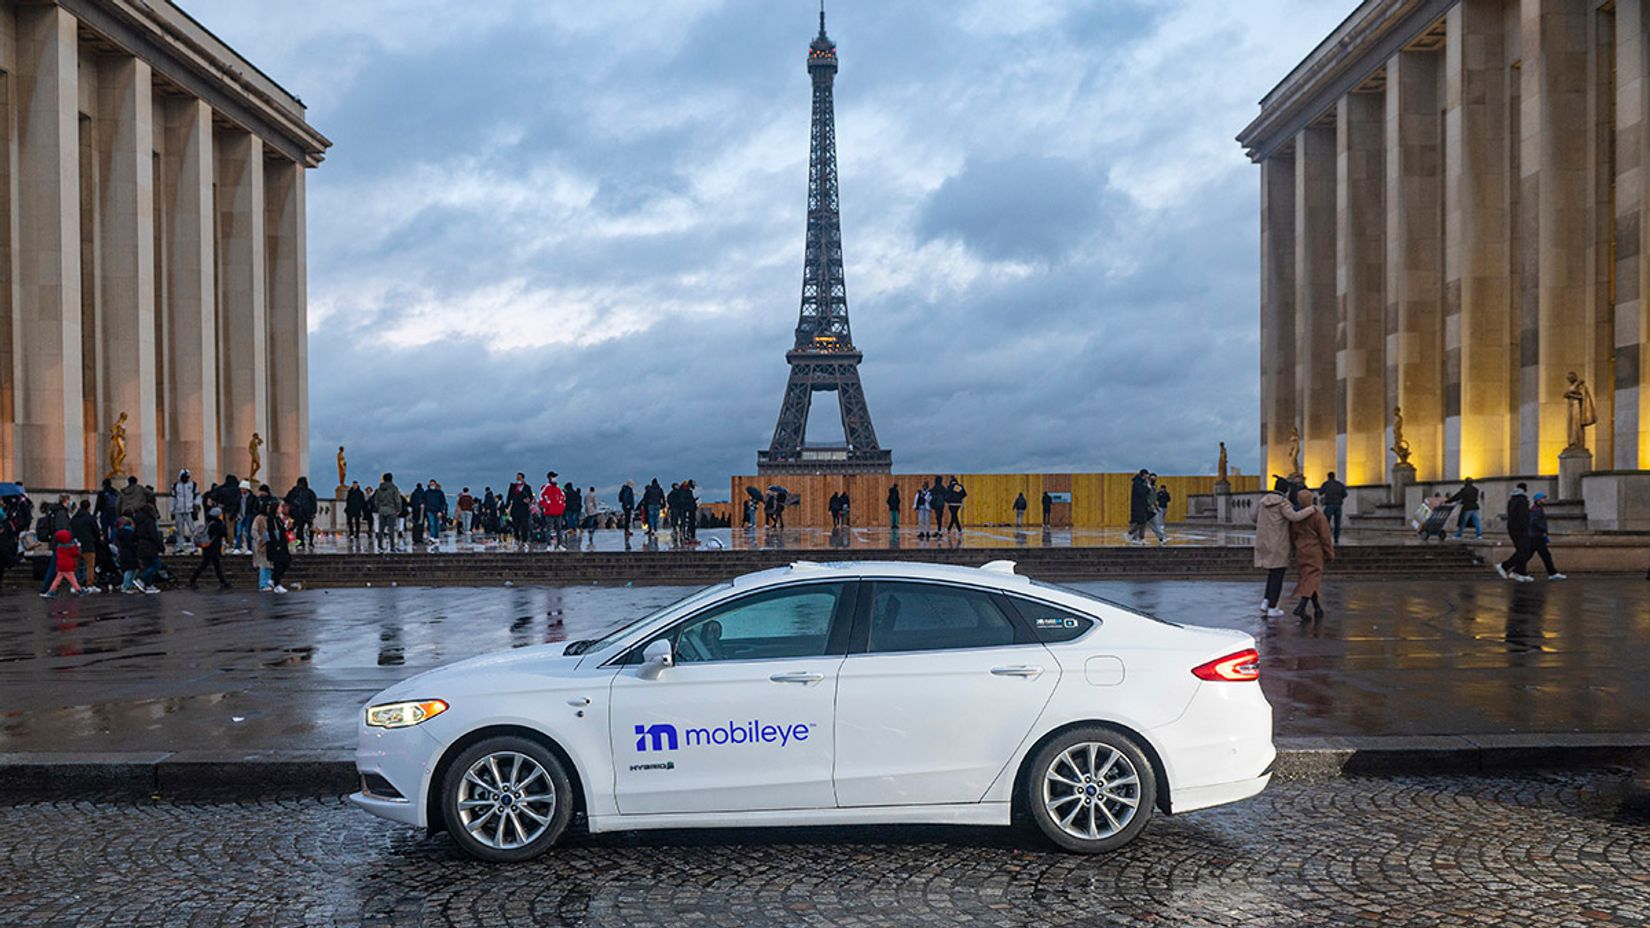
x=1400, y=444
x=252, y=447
x=341, y=467
x=1294, y=450
x=1583, y=412
x=1222, y=467
x=117, y=447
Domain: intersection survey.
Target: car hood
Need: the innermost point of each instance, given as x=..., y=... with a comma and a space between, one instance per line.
x=540, y=663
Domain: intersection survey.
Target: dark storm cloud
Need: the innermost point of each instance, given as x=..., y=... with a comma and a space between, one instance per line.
x=561, y=234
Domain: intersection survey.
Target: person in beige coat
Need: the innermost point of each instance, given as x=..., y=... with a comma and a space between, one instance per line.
x=1273, y=515
x=1314, y=547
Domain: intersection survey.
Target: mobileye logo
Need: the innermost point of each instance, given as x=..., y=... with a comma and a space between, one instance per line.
x=663, y=737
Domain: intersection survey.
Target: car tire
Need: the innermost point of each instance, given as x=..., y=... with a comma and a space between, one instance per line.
x=1090, y=790
x=506, y=799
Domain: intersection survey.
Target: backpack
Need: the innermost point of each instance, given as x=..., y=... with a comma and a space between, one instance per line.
x=203, y=537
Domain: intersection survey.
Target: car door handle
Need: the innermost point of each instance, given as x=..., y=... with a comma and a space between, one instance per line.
x=1017, y=671
x=797, y=677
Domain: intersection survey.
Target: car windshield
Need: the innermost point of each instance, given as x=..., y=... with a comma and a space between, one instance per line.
x=606, y=641
x=1100, y=599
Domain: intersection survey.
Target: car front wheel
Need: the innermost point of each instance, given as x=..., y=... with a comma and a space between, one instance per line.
x=1091, y=790
x=506, y=799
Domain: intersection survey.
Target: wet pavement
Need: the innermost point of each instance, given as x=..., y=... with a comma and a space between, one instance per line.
x=238, y=671
x=1540, y=850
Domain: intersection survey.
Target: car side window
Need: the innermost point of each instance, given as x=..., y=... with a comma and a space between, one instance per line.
x=794, y=622
x=1052, y=624
x=933, y=617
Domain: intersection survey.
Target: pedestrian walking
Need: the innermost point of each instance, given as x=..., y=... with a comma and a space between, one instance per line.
x=387, y=502
x=489, y=512
x=591, y=504
x=955, y=494
x=921, y=504
x=1332, y=499
x=149, y=545
x=1048, y=509
x=1467, y=497
x=185, y=498
x=212, y=551
x=466, y=511
x=627, y=505
x=936, y=504
x=87, y=534
x=1518, y=530
x=246, y=506
x=573, y=518
x=893, y=507
x=280, y=557
x=415, y=513
x=355, y=509
x=552, y=506
x=1539, y=536
x=260, y=551
x=1020, y=506
x=835, y=509
x=65, y=561
x=653, y=498
x=131, y=498
x=518, y=502
x=1273, y=514
x=303, y=506
x=1314, y=544
x=435, y=511
x=1140, y=506
x=1160, y=510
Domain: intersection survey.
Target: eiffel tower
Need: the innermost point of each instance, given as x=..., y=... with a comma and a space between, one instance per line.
x=824, y=359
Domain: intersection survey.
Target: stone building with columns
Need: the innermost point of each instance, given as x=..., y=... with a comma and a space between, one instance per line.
x=1452, y=199
x=152, y=249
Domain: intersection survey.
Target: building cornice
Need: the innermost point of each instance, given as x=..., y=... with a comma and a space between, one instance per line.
x=1359, y=47
x=185, y=53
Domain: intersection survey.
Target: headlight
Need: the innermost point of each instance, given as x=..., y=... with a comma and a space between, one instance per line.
x=403, y=714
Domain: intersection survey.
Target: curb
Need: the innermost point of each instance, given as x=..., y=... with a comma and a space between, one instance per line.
x=273, y=774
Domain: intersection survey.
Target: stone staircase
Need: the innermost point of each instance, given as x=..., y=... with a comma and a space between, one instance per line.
x=697, y=567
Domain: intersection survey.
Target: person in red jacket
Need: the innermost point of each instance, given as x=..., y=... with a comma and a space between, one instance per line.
x=65, y=559
x=553, y=506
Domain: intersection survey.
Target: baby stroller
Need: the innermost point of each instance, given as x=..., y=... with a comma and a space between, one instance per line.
x=1432, y=518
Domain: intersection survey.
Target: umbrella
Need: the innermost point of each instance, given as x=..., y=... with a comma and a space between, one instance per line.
x=12, y=489
x=754, y=493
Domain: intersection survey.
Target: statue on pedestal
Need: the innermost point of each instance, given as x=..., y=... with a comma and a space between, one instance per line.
x=252, y=448
x=117, y=447
x=1583, y=412
x=1294, y=450
x=1400, y=444
x=341, y=467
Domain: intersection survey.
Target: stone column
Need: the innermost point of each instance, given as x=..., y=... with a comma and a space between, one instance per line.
x=1277, y=313
x=1360, y=240
x=1414, y=252
x=1632, y=351
x=1478, y=237
x=1555, y=78
x=288, y=324
x=1315, y=322
x=126, y=198
x=243, y=355
x=50, y=423
x=191, y=316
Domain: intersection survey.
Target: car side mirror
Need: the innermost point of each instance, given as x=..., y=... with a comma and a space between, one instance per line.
x=656, y=657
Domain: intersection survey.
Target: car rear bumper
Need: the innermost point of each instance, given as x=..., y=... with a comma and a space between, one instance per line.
x=1192, y=798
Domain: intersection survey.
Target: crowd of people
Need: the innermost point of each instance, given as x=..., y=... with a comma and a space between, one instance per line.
x=556, y=514
x=116, y=540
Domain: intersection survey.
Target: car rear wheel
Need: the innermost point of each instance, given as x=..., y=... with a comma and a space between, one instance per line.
x=1091, y=790
x=506, y=799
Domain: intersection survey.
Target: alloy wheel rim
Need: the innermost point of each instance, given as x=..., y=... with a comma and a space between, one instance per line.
x=506, y=800
x=1091, y=791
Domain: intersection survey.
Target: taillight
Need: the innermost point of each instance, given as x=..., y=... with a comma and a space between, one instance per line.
x=1233, y=668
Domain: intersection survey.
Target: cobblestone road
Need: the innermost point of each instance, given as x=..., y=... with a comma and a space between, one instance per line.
x=1542, y=850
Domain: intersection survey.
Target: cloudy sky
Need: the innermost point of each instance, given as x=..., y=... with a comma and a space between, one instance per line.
x=569, y=234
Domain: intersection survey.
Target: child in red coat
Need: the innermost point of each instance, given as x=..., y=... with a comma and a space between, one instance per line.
x=65, y=560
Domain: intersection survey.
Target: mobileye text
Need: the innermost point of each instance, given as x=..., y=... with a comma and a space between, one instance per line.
x=663, y=737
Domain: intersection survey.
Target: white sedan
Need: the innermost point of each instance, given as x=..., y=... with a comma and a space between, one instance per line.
x=830, y=694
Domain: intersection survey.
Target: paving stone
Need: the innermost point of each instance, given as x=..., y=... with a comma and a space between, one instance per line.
x=1537, y=850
